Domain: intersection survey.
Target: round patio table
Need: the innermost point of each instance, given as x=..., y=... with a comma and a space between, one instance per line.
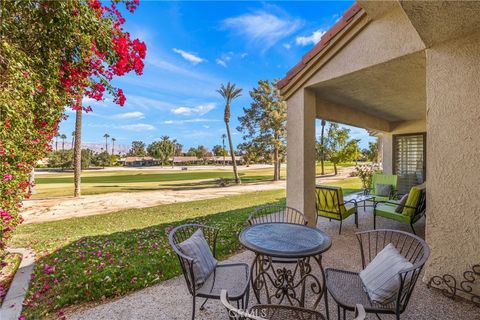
x=283, y=270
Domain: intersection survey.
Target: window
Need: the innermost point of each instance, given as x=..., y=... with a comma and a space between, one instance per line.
x=409, y=160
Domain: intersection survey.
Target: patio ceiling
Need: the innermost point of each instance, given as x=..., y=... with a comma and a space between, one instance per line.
x=393, y=91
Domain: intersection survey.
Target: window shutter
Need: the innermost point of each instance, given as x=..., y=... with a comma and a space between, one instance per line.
x=409, y=160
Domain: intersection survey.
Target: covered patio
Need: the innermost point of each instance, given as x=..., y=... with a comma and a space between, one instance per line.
x=171, y=300
x=407, y=72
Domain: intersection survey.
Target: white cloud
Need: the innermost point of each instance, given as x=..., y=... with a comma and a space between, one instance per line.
x=263, y=28
x=224, y=59
x=198, y=110
x=194, y=59
x=130, y=115
x=287, y=45
x=311, y=39
x=195, y=120
x=243, y=55
x=138, y=127
x=221, y=62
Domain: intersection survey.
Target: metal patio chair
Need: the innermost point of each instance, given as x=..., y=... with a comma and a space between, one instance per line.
x=232, y=276
x=330, y=204
x=346, y=287
x=277, y=312
x=277, y=213
x=410, y=213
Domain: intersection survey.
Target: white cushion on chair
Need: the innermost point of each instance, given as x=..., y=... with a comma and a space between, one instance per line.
x=380, y=277
x=197, y=248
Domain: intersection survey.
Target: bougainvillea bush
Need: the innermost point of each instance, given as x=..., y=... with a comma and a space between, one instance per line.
x=52, y=55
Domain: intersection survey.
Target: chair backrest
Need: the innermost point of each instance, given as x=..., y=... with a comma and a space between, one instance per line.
x=411, y=247
x=421, y=205
x=234, y=313
x=391, y=179
x=182, y=233
x=329, y=199
x=277, y=213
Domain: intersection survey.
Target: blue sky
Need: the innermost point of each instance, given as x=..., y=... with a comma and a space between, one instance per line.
x=193, y=47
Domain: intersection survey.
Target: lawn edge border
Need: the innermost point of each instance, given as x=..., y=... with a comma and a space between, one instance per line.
x=12, y=305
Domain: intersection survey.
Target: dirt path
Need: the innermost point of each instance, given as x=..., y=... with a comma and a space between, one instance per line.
x=36, y=211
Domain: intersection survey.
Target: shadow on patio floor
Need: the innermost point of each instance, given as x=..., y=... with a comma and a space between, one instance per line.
x=170, y=299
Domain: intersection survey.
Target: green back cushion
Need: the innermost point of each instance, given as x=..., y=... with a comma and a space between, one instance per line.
x=390, y=179
x=327, y=199
x=412, y=201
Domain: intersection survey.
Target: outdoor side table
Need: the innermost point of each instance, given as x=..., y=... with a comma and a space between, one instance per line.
x=286, y=283
x=360, y=197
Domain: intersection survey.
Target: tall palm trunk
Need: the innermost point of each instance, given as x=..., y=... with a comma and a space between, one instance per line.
x=106, y=144
x=322, y=156
x=113, y=147
x=232, y=154
x=77, y=153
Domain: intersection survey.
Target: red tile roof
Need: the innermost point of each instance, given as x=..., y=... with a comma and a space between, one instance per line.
x=324, y=41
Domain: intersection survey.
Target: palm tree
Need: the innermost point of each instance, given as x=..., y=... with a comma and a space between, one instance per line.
x=73, y=139
x=63, y=137
x=106, y=136
x=56, y=141
x=322, y=156
x=223, y=150
x=77, y=153
x=229, y=93
x=113, y=145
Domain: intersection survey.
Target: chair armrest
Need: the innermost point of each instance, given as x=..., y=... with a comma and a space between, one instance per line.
x=349, y=201
x=360, y=313
x=394, y=203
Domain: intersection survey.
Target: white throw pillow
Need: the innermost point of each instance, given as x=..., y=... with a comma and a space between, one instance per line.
x=380, y=278
x=197, y=248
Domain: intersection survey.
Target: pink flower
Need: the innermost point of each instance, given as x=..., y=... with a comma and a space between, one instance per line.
x=7, y=177
x=48, y=269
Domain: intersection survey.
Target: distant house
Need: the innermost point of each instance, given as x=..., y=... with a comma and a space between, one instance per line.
x=138, y=161
x=186, y=160
x=222, y=159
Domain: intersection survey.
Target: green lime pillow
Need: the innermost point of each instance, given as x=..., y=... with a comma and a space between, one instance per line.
x=412, y=201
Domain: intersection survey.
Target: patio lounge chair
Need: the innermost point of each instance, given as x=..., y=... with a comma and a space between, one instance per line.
x=330, y=204
x=347, y=288
x=380, y=178
x=277, y=312
x=272, y=214
x=232, y=276
x=412, y=210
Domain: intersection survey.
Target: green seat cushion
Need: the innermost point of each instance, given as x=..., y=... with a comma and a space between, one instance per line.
x=412, y=201
x=349, y=210
x=387, y=210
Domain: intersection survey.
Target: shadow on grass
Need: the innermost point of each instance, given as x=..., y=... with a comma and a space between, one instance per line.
x=96, y=268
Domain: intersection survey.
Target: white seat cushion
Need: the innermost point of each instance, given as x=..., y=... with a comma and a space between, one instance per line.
x=197, y=248
x=380, y=277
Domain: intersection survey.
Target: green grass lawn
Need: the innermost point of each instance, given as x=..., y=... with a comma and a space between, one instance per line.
x=99, y=257
x=99, y=182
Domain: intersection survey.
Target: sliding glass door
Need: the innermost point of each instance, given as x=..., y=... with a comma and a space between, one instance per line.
x=409, y=160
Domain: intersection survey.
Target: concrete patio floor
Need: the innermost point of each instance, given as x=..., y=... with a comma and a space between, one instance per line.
x=170, y=299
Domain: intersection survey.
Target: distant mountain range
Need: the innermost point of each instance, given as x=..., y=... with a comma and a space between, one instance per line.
x=97, y=147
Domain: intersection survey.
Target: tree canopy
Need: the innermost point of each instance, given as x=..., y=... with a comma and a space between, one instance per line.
x=52, y=54
x=264, y=123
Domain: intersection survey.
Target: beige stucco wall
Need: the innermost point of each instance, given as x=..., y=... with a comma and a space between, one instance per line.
x=366, y=50
x=301, y=153
x=453, y=151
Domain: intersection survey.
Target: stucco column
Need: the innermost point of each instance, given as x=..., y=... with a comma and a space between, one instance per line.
x=453, y=153
x=301, y=153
